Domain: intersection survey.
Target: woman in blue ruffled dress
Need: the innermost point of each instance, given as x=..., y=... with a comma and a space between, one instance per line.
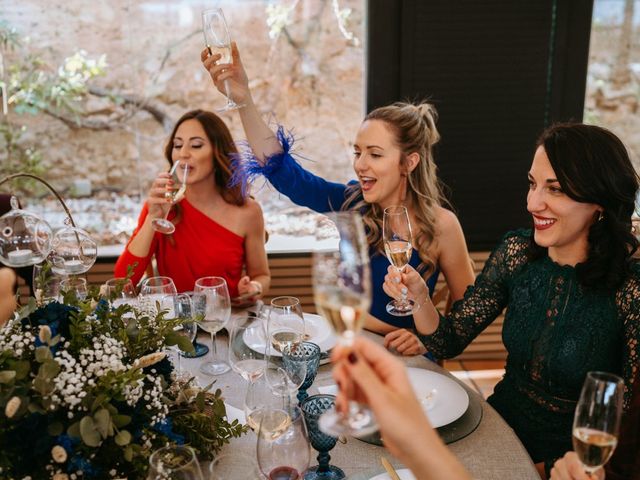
x=393, y=162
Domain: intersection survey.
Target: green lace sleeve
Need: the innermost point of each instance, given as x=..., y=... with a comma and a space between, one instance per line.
x=482, y=302
x=628, y=300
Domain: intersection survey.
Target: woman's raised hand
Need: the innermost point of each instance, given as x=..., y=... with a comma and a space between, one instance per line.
x=234, y=73
x=157, y=200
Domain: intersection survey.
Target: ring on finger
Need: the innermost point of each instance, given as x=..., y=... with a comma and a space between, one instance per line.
x=167, y=195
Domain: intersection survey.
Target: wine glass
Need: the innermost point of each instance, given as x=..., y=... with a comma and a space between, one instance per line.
x=233, y=464
x=342, y=294
x=396, y=234
x=175, y=462
x=199, y=303
x=218, y=312
x=261, y=397
x=283, y=445
x=158, y=290
x=284, y=378
x=218, y=41
x=306, y=353
x=245, y=361
x=77, y=285
x=285, y=323
x=184, y=310
x=120, y=291
x=312, y=408
x=596, y=422
x=163, y=225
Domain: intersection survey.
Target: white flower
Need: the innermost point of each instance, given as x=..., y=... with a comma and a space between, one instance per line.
x=59, y=454
x=12, y=406
x=150, y=359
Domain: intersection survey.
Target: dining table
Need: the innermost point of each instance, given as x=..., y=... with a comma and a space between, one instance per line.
x=491, y=451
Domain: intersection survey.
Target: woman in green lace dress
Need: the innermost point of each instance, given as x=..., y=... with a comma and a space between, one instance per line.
x=571, y=289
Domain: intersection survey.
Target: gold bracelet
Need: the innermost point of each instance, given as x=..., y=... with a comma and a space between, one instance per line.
x=420, y=305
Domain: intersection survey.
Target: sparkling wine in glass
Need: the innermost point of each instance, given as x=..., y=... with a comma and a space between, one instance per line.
x=163, y=225
x=218, y=41
x=342, y=294
x=245, y=361
x=260, y=397
x=285, y=323
x=283, y=451
x=217, y=315
x=596, y=422
x=396, y=233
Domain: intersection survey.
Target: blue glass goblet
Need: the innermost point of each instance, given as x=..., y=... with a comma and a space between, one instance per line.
x=304, y=352
x=312, y=408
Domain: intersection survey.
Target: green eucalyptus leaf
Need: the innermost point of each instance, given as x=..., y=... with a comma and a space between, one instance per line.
x=50, y=369
x=35, y=407
x=123, y=438
x=102, y=422
x=74, y=430
x=88, y=432
x=99, y=400
x=21, y=367
x=171, y=338
x=185, y=345
x=128, y=453
x=43, y=353
x=7, y=376
x=121, y=420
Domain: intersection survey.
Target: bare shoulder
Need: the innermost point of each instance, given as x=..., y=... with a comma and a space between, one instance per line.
x=252, y=208
x=447, y=222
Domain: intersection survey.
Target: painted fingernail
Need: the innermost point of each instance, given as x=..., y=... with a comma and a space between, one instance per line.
x=404, y=290
x=396, y=279
x=352, y=358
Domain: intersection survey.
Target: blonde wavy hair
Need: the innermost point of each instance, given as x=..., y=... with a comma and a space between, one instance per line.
x=414, y=130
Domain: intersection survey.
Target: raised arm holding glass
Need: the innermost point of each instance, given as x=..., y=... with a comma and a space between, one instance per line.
x=393, y=160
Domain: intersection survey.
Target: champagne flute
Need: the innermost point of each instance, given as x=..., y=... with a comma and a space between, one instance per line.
x=283, y=445
x=163, y=225
x=184, y=309
x=218, y=312
x=175, y=462
x=285, y=323
x=245, y=361
x=396, y=234
x=342, y=294
x=597, y=419
x=261, y=397
x=120, y=291
x=77, y=285
x=218, y=41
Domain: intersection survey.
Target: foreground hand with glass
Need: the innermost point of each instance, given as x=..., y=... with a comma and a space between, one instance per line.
x=368, y=374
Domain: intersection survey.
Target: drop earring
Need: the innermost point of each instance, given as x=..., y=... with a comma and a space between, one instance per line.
x=601, y=216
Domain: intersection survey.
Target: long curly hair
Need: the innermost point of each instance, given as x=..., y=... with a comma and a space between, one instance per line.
x=414, y=129
x=592, y=166
x=222, y=145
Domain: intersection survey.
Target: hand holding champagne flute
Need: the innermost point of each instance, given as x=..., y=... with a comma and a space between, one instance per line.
x=396, y=233
x=163, y=225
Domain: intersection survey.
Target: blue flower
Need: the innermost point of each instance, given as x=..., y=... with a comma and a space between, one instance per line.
x=67, y=442
x=165, y=427
x=78, y=462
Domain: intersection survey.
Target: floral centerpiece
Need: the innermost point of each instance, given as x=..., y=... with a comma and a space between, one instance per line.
x=86, y=392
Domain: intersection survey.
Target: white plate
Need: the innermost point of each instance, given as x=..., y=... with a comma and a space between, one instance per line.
x=449, y=402
x=404, y=474
x=316, y=328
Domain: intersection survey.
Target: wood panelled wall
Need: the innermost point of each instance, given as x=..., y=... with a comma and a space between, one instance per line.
x=291, y=275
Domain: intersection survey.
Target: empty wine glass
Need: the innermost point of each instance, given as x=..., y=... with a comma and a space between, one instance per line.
x=174, y=462
x=245, y=361
x=596, y=422
x=75, y=285
x=199, y=303
x=158, y=290
x=163, y=225
x=184, y=310
x=120, y=291
x=218, y=41
x=285, y=323
x=218, y=312
x=312, y=408
x=342, y=294
x=284, y=378
x=396, y=234
x=283, y=445
x=233, y=464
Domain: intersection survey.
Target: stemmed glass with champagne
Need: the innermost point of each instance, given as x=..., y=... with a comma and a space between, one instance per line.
x=396, y=235
x=186, y=311
x=163, y=225
x=218, y=41
x=596, y=423
x=342, y=294
x=217, y=315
